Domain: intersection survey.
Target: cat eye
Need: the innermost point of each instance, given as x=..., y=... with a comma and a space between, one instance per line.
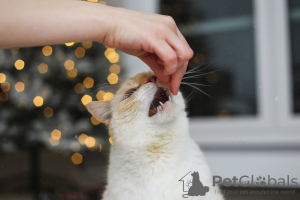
x=129, y=93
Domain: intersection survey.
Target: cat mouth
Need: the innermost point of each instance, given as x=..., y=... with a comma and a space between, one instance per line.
x=160, y=97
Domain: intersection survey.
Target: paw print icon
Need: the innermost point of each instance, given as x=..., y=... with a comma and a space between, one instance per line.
x=261, y=180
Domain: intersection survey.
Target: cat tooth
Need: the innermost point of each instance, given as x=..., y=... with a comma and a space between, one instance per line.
x=170, y=98
x=161, y=103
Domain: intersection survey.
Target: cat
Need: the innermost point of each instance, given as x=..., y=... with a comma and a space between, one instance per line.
x=151, y=147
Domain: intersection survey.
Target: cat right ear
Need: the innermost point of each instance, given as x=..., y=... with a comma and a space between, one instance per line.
x=101, y=110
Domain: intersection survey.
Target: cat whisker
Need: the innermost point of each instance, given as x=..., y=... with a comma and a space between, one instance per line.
x=185, y=83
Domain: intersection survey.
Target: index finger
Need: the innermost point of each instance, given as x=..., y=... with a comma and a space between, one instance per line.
x=177, y=77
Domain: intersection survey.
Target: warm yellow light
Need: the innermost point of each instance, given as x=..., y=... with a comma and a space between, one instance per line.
x=48, y=112
x=113, y=57
x=113, y=78
x=47, y=50
x=94, y=121
x=3, y=96
x=108, y=51
x=86, y=99
x=69, y=64
x=75, y=146
x=95, y=1
x=100, y=95
x=43, y=68
x=19, y=64
x=82, y=138
x=5, y=86
x=56, y=134
x=79, y=88
x=115, y=69
x=19, y=86
x=111, y=141
x=79, y=52
x=38, y=101
x=108, y=96
x=100, y=147
x=2, y=78
x=68, y=44
x=53, y=142
x=88, y=82
x=72, y=73
x=87, y=44
x=90, y=142
x=77, y=158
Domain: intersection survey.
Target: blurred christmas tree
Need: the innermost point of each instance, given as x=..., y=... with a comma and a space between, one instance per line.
x=43, y=95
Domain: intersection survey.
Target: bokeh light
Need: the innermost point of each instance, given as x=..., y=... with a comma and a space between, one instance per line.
x=87, y=44
x=53, y=142
x=19, y=86
x=86, y=99
x=19, y=64
x=43, y=68
x=77, y=158
x=79, y=52
x=38, y=101
x=94, y=121
x=69, y=44
x=3, y=96
x=111, y=141
x=47, y=50
x=90, y=142
x=79, y=88
x=82, y=137
x=2, y=78
x=108, y=96
x=5, y=86
x=115, y=68
x=56, y=134
x=48, y=112
x=113, y=78
x=72, y=73
x=88, y=82
x=100, y=95
x=69, y=64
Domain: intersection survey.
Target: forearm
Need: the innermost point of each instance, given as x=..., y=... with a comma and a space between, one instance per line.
x=26, y=23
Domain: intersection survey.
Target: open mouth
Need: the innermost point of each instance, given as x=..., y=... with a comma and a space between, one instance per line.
x=161, y=96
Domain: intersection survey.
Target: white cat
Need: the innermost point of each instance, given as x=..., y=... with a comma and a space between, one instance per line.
x=152, y=148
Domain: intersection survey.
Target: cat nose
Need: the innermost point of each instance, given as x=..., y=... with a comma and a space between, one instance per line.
x=152, y=79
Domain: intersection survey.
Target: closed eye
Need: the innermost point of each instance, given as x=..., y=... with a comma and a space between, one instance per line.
x=129, y=93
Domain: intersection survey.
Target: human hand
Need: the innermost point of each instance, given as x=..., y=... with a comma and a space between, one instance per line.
x=153, y=38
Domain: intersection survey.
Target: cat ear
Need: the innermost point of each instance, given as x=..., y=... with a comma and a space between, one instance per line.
x=101, y=110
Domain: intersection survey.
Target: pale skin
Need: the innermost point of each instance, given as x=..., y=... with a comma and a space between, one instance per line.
x=153, y=38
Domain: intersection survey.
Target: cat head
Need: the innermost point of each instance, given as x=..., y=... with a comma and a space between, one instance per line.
x=142, y=103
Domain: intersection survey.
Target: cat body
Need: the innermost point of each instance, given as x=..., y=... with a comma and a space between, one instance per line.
x=152, y=149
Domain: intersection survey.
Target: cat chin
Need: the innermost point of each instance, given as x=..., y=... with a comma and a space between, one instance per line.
x=167, y=112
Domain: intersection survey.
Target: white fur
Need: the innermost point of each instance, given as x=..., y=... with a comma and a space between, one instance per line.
x=151, y=154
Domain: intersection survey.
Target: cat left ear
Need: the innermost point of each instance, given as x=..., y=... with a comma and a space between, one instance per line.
x=101, y=110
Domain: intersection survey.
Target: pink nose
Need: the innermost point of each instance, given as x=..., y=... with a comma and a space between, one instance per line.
x=152, y=79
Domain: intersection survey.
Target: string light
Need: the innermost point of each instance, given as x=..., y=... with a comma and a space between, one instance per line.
x=43, y=68
x=79, y=52
x=113, y=78
x=77, y=158
x=115, y=68
x=48, y=112
x=86, y=99
x=69, y=64
x=5, y=86
x=69, y=44
x=19, y=64
x=38, y=101
x=95, y=1
x=100, y=95
x=88, y=82
x=2, y=78
x=111, y=141
x=47, y=50
x=19, y=86
x=108, y=96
